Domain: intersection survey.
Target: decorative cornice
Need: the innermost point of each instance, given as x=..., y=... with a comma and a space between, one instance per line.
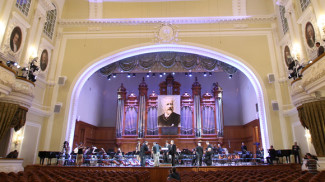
x=168, y=20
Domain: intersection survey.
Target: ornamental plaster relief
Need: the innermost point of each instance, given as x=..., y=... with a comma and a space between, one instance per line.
x=7, y=78
x=313, y=81
x=170, y=20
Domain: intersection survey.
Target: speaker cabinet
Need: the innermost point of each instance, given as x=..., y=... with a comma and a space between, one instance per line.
x=275, y=106
x=271, y=77
x=61, y=80
x=57, y=107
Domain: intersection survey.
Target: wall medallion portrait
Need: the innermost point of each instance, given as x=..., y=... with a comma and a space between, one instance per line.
x=44, y=60
x=15, y=39
x=310, y=35
x=287, y=55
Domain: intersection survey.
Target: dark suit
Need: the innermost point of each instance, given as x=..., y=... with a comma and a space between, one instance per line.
x=209, y=146
x=199, y=154
x=220, y=150
x=320, y=50
x=243, y=149
x=208, y=158
x=296, y=152
x=173, y=118
x=165, y=156
x=143, y=150
x=272, y=156
x=172, y=152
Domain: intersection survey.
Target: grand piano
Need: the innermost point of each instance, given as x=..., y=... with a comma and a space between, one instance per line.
x=284, y=153
x=48, y=154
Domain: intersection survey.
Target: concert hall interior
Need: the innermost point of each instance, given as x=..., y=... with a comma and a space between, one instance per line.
x=112, y=73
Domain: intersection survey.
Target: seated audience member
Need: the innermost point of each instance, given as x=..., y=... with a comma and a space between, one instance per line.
x=13, y=154
x=320, y=49
x=311, y=164
x=272, y=155
x=173, y=175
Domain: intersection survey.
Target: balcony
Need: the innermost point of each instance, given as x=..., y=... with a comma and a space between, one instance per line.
x=311, y=87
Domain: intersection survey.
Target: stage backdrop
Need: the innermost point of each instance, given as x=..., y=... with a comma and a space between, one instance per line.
x=169, y=111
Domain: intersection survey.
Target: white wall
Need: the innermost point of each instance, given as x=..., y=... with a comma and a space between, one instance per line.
x=248, y=100
x=29, y=148
x=91, y=99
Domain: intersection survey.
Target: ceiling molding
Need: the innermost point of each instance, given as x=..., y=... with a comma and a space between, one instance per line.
x=169, y=20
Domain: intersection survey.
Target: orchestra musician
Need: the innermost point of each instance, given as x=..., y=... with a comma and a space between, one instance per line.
x=208, y=157
x=65, y=152
x=143, y=150
x=156, y=153
x=208, y=145
x=137, y=150
x=194, y=158
x=272, y=155
x=199, y=154
x=172, y=151
x=80, y=154
x=219, y=149
x=165, y=155
x=243, y=150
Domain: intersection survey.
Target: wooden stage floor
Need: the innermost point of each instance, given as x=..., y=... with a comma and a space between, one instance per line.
x=159, y=174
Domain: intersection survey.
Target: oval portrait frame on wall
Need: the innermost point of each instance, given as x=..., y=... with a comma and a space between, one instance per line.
x=310, y=35
x=287, y=55
x=15, y=39
x=44, y=60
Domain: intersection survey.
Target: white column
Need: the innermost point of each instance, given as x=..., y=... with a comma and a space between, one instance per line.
x=294, y=28
x=5, y=7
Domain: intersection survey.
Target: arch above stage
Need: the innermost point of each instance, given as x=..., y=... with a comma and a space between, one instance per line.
x=95, y=65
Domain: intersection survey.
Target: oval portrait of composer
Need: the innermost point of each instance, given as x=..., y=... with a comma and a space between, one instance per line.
x=15, y=39
x=287, y=55
x=44, y=60
x=310, y=35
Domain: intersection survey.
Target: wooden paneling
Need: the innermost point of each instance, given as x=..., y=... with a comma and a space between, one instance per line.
x=235, y=135
x=104, y=137
x=101, y=137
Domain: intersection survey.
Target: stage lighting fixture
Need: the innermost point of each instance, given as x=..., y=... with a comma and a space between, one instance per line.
x=160, y=75
x=230, y=76
x=173, y=73
x=165, y=73
x=114, y=75
x=210, y=74
x=109, y=77
x=129, y=75
x=148, y=75
x=153, y=74
x=190, y=74
x=204, y=74
x=186, y=74
x=133, y=75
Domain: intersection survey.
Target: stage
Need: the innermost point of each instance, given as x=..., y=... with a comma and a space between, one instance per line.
x=159, y=174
